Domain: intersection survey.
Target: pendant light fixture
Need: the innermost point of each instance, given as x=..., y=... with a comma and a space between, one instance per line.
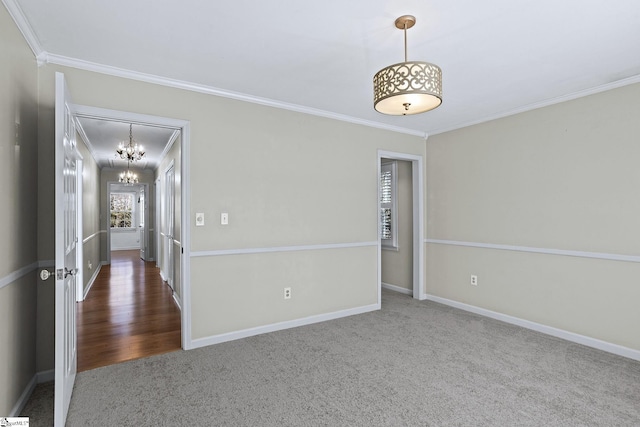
x=408, y=87
x=130, y=152
x=128, y=177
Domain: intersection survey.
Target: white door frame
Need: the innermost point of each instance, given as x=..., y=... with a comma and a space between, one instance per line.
x=417, y=183
x=184, y=127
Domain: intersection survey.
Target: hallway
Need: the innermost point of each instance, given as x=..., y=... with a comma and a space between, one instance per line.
x=129, y=313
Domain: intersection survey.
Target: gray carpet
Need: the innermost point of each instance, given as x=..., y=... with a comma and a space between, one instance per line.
x=410, y=364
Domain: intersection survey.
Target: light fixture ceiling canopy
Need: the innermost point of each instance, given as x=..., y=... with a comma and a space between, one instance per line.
x=408, y=87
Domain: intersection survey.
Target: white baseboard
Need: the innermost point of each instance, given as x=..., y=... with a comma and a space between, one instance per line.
x=397, y=289
x=93, y=279
x=46, y=376
x=538, y=327
x=40, y=377
x=177, y=301
x=231, y=336
x=24, y=398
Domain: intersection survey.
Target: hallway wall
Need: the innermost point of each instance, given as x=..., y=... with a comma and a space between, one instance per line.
x=18, y=216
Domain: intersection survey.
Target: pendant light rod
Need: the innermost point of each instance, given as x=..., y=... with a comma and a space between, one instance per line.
x=405, y=42
x=404, y=23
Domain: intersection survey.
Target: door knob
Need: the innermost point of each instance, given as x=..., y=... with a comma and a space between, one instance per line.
x=45, y=274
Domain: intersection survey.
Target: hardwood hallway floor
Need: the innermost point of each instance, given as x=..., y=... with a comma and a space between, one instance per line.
x=129, y=313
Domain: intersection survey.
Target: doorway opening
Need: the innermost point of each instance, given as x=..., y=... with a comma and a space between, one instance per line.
x=400, y=224
x=130, y=223
x=129, y=220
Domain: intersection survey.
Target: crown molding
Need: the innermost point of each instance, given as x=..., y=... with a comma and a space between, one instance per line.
x=169, y=145
x=25, y=28
x=209, y=90
x=545, y=103
x=87, y=142
x=43, y=58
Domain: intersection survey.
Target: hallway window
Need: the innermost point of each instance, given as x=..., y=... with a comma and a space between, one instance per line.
x=122, y=210
x=388, y=205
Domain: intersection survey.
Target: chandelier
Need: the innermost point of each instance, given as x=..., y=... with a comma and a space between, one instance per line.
x=408, y=87
x=130, y=152
x=128, y=177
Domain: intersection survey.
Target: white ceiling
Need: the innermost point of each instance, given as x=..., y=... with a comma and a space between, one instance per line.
x=497, y=56
x=104, y=136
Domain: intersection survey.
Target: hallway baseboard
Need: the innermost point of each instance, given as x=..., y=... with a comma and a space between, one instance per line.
x=92, y=281
x=24, y=397
x=397, y=288
x=38, y=378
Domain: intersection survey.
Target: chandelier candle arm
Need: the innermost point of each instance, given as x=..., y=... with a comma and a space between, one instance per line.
x=130, y=152
x=407, y=87
x=128, y=177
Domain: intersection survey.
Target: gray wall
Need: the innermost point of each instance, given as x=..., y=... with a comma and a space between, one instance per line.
x=560, y=177
x=397, y=266
x=239, y=153
x=18, y=192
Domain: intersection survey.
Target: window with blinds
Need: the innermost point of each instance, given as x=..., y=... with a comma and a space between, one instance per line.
x=388, y=202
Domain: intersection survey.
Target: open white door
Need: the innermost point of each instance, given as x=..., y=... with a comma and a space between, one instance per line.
x=170, y=179
x=66, y=206
x=142, y=224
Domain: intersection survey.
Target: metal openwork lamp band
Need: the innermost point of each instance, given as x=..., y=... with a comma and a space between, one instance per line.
x=409, y=87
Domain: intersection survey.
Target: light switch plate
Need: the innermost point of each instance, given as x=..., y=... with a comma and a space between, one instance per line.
x=199, y=219
x=224, y=218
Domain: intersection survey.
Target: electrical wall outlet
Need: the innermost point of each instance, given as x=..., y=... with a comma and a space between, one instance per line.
x=287, y=293
x=474, y=280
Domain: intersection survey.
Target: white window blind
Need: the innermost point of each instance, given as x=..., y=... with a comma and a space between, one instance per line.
x=388, y=202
